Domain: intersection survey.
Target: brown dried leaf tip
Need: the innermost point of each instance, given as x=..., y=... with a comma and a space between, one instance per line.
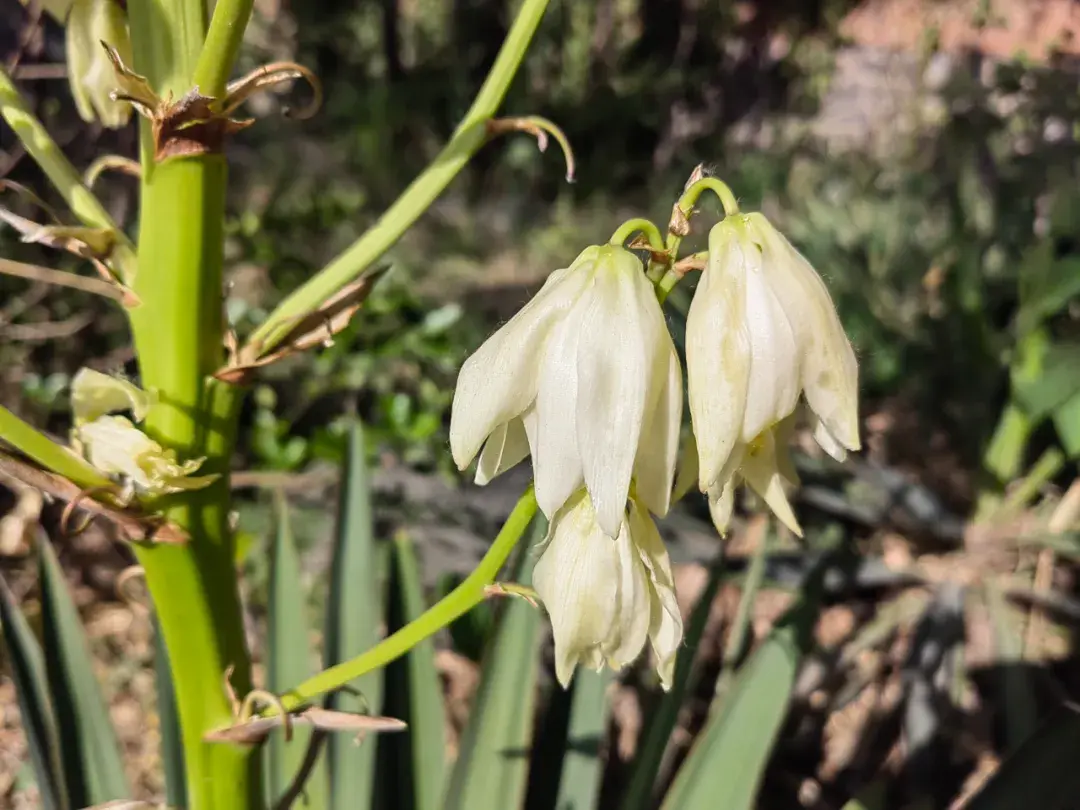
x=133, y=526
x=93, y=244
x=317, y=328
x=255, y=729
x=539, y=128
x=198, y=124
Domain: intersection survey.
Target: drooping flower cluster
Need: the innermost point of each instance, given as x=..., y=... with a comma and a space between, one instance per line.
x=761, y=331
x=115, y=446
x=585, y=379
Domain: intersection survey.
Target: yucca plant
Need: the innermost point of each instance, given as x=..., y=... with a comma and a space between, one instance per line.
x=585, y=379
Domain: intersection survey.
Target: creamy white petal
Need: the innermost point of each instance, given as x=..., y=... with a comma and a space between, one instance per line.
x=499, y=380
x=775, y=356
x=824, y=437
x=830, y=370
x=782, y=436
x=721, y=492
x=718, y=355
x=722, y=504
x=577, y=579
x=665, y=620
x=631, y=628
x=555, y=451
x=505, y=448
x=658, y=448
x=686, y=476
x=613, y=362
x=761, y=473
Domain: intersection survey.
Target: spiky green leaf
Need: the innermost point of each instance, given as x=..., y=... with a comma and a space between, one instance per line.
x=353, y=617
x=493, y=762
x=89, y=751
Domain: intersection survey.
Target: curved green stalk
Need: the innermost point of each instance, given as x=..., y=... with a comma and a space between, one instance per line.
x=463, y=598
x=665, y=285
x=638, y=225
x=689, y=199
x=467, y=139
x=223, y=41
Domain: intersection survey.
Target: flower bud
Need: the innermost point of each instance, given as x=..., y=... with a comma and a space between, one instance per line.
x=91, y=74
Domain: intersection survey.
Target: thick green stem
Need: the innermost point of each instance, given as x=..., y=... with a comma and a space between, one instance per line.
x=222, y=44
x=463, y=598
x=178, y=336
x=421, y=193
x=166, y=39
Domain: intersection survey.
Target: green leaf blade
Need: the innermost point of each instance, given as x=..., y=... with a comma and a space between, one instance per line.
x=582, y=772
x=492, y=767
x=32, y=693
x=288, y=660
x=354, y=614
x=650, y=756
x=727, y=762
x=172, y=746
x=89, y=751
x=414, y=694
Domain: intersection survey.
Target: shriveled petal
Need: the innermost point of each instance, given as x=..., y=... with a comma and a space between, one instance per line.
x=760, y=470
x=775, y=356
x=577, y=579
x=718, y=355
x=665, y=619
x=506, y=447
x=115, y=446
x=830, y=371
x=554, y=441
x=499, y=380
x=658, y=449
x=94, y=394
x=613, y=365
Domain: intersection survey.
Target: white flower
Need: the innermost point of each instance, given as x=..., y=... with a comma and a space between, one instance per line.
x=586, y=378
x=115, y=446
x=762, y=330
x=606, y=596
x=90, y=73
